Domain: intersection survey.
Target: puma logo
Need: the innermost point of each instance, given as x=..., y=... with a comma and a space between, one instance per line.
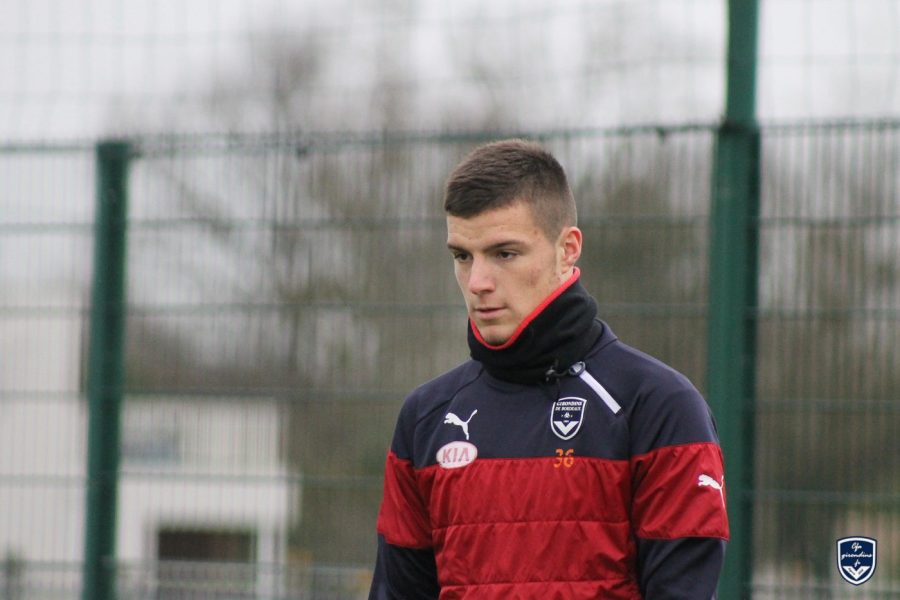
x=452, y=419
x=706, y=481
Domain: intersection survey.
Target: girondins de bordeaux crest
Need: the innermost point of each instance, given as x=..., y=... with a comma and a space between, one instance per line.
x=566, y=417
x=856, y=557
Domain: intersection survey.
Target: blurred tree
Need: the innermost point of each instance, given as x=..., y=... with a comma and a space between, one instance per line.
x=828, y=372
x=327, y=255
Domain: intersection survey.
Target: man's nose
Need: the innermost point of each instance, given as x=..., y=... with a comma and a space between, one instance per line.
x=481, y=279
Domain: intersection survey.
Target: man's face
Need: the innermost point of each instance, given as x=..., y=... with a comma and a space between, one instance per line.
x=506, y=266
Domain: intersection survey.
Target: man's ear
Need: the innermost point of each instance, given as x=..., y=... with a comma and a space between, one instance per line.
x=569, y=247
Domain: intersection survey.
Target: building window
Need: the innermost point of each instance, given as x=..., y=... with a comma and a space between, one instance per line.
x=155, y=446
x=206, y=563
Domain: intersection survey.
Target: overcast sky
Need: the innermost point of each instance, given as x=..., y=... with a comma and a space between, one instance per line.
x=83, y=68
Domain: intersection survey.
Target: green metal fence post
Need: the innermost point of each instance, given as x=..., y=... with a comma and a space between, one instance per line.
x=733, y=289
x=105, y=370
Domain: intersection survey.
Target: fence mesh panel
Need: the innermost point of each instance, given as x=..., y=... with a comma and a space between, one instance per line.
x=286, y=292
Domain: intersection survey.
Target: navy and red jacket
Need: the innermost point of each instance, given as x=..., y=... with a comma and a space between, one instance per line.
x=600, y=480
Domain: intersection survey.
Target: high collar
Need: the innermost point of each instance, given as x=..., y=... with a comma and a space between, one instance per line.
x=556, y=335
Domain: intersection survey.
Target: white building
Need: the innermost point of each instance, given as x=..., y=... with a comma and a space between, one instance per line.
x=205, y=496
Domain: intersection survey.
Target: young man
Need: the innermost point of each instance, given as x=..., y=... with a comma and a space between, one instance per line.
x=557, y=462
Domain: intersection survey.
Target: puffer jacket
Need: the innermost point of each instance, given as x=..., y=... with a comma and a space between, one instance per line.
x=606, y=482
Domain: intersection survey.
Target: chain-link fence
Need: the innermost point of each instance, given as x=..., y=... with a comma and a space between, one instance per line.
x=284, y=293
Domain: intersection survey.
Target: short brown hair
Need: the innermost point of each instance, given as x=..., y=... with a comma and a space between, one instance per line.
x=499, y=174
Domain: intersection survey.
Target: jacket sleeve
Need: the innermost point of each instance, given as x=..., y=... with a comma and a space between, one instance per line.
x=405, y=565
x=404, y=574
x=684, y=568
x=679, y=504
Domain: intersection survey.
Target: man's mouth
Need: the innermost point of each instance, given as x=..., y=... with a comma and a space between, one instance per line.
x=488, y=312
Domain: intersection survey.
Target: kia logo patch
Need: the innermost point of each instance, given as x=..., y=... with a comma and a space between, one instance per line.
x=456, y=454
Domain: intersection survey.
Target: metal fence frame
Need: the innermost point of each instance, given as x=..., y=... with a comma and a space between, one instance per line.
x=112, y=159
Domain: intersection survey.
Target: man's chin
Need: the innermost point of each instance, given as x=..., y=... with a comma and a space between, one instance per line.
x=493, y=336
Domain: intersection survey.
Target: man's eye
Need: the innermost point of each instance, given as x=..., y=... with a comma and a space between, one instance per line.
x=460, y=256
x=505, y=254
